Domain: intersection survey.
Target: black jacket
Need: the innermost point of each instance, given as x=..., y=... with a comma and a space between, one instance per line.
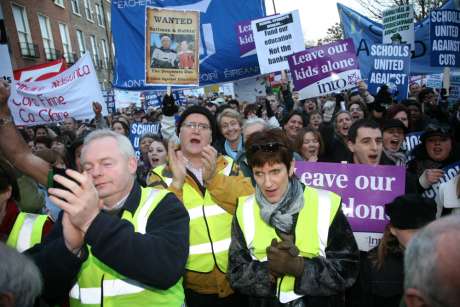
x=323, y=282
x=156, y=258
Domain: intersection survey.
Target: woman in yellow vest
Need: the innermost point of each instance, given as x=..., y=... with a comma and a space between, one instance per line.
x=291, y=244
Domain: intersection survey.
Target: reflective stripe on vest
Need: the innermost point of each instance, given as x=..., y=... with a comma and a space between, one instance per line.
x=96, y=281
x=210, y=226
x=27, y=231
x=311, y=231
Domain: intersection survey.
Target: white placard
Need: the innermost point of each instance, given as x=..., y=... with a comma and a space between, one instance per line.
x=277, y=37
x=398, y=25
x=124, y=99
x=69, y=94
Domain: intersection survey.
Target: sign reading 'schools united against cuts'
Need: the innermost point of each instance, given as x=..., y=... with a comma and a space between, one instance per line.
x=390, y=66
x=325, y=69
x=364, y=191
x=276, y=38
x=172, y=47
x=137, y=130
x=445, y=39
x=398, y=25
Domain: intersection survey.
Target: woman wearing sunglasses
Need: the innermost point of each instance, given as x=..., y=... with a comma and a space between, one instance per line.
x=291, y=244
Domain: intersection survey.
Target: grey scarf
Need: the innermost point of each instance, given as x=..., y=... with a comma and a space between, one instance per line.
x=280, y=214
x=399, y=158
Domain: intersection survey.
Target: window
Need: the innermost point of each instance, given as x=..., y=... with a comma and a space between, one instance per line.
x=22, y=25
x=88, y=10
x=94, y=51
x=66, y=45
x=105, y=53
x=75, y=7
x=47, y=36
x=81, y=42
x=99, y=15
x=59, y=3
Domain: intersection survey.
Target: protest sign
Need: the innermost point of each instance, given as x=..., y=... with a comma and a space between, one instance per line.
x=250, y=88
x=219, y=54
x=110, y=101
x=444, y=38
x=366, y=32
x=398, y=25
x=277, y=37
x=151, y=99
x=124, y=99
x=69, y=94
x=172, y=43
x=450, y=171
x=434, y=81
x=245, y=38
x=454, y=91
x=364, y=190
x=325, y=69
x=390, y=66
x=6, y=71
x=137, y=130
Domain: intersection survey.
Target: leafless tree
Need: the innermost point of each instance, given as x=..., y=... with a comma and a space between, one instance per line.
x=421, y=7
x=333, y=34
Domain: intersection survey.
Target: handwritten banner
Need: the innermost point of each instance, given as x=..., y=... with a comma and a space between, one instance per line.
x=364, y=190
x=69, y=94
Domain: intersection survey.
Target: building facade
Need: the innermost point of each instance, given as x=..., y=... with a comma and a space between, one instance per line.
x=44, y=30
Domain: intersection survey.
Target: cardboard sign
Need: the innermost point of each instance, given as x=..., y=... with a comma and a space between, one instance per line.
x=325, y=69
x=398, y=25
x=69, y=94
x=390, y=66
x=444, y=38
x=277, y=37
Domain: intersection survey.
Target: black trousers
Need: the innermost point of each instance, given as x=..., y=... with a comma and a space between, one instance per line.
x=194, y=299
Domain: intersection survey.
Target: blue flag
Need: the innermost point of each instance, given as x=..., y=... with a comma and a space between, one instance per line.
x=366, y=32
x=220, y=59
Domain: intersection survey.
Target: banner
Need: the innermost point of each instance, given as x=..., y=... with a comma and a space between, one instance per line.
x=454, y=92
x=172, y=47
x=364, y=190
x=366, y=32
x=444, y=37
x=137, y=130
x=220, y=59
x=434, y=81
x=277, y=37
x=124, y=99
x=390, y=66
x=41, y=71
x=450, y=172
x=325, y=69
x=6, y=71
x=398, y=25
x=69, y=94
x=245, y=38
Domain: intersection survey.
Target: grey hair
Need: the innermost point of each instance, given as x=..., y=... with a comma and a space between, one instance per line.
x=230, y=113
x=422, y=261
x=124, y=144
x=19, y=276
x=253, y=121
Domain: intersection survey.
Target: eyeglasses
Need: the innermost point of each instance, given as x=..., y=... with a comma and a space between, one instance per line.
x=269, y=147
x=199, y=126
x=230, y=125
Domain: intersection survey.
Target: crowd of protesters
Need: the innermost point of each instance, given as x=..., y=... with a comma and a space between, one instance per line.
x=97, y=226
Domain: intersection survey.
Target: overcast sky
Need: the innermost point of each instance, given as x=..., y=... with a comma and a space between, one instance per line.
x=316, y=16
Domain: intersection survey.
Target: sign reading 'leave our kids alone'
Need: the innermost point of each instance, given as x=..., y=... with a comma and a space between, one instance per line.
x=325, y=69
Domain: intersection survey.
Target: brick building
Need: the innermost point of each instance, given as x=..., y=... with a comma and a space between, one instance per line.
x=43, y=30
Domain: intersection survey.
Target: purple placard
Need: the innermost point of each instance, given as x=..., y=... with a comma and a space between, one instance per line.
x=245, y=38
x=364, y=189
x=325, y=69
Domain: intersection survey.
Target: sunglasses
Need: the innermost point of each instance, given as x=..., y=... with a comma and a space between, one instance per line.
x=268, y=147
